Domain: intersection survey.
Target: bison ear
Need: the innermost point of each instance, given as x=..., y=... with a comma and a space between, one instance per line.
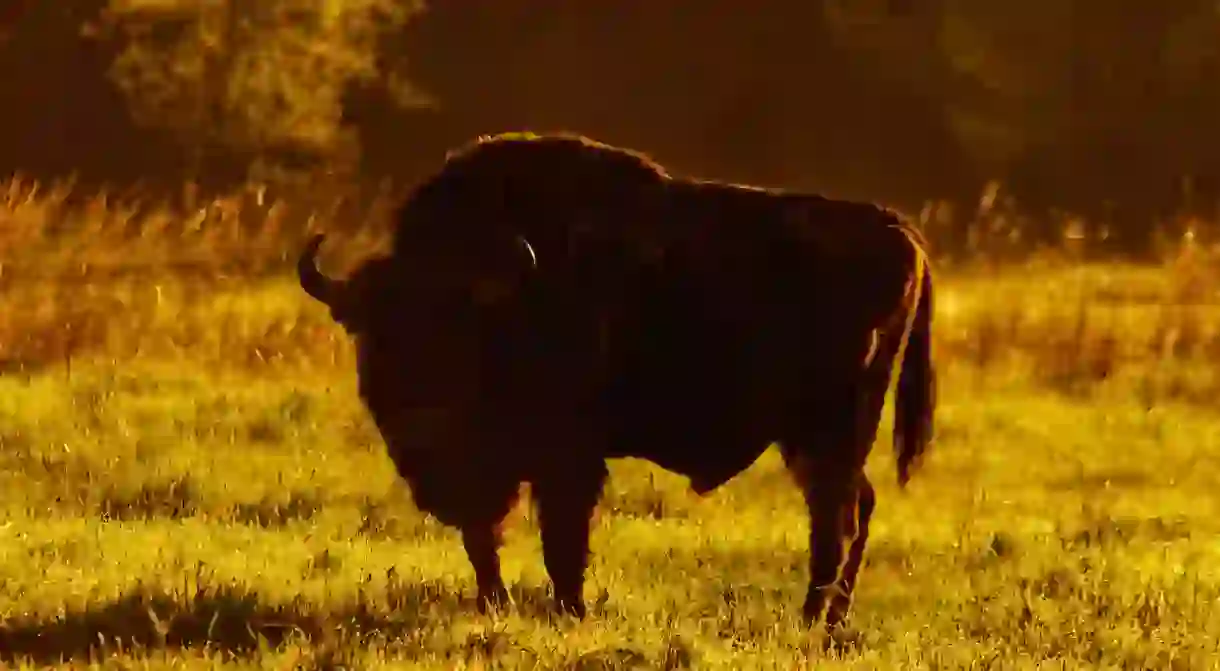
x=491, y=290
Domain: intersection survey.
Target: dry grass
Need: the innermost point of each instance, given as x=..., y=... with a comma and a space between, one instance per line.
x=187, y=481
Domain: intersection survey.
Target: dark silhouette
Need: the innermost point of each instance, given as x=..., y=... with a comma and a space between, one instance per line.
x=552, y=302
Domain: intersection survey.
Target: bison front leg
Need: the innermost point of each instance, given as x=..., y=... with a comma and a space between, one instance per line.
x=566, y=499
x=482, y=543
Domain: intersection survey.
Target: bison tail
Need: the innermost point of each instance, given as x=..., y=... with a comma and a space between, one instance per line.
x=915, y=396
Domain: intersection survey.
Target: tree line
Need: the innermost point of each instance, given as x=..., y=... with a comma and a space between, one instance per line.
x=1099, y=108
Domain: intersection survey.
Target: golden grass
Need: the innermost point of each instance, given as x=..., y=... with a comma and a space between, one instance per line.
x=188, y=481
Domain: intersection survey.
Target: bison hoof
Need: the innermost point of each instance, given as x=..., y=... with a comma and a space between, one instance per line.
x=828, y=604
x=574, y=607
x=836, y=614
x=492, y=599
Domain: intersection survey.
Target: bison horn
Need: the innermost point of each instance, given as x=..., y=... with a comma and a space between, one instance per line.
x=317, y=285
x=529, y=249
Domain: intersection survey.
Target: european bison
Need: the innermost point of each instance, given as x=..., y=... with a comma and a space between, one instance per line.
x=552, y=302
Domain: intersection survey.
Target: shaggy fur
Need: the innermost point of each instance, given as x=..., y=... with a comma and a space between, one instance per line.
x=552, y=302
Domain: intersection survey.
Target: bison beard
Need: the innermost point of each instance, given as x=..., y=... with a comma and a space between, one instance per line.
x=684, y=322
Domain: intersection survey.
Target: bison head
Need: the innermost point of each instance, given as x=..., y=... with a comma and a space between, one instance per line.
x=424, y=280
x=429, y=330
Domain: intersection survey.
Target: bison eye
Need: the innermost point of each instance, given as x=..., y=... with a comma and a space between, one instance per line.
x=489, y=291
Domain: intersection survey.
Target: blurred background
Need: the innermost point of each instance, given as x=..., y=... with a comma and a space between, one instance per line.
x=1098, y=117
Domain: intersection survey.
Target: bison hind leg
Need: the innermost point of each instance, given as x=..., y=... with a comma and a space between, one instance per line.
x=828, y=466
x=857, y=514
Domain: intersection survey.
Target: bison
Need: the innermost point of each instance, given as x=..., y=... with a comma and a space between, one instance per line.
x=552, y=302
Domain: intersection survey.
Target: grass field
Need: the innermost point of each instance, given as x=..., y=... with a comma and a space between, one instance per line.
x=188, y=481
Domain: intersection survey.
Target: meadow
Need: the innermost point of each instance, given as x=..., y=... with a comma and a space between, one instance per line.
x=187, y=479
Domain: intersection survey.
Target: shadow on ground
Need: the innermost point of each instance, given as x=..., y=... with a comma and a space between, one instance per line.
x=235, y=620
x=415, y=619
